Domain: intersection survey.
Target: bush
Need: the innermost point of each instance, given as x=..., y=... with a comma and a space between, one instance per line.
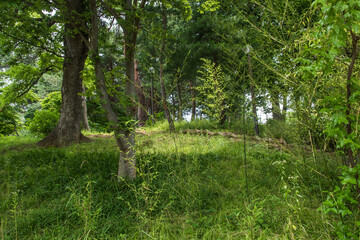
x=46, y=118
x=43, y=122
x=281, y=129
x=52, y=101
x=7, y=120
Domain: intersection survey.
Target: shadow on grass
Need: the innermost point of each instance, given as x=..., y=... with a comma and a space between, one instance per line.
x=71, y=191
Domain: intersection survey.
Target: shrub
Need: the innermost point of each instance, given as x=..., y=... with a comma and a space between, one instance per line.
x=43, y=122
x=46, y=118
x=7, y=120
x=280, y=129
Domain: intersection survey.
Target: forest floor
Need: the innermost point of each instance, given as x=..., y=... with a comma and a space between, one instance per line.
x=189, y=186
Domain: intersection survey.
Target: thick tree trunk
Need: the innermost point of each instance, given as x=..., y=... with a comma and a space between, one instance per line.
x=142, y=106
x=163, y=90
x=68, y=129
x=253, y=97
x=84, y=120
x=127, y=162
x=193, y=109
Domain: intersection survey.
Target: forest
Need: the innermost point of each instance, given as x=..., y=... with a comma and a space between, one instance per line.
x=179, y=119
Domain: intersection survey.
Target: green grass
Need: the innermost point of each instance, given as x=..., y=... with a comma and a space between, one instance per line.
x=271, y=129
x=188, y=187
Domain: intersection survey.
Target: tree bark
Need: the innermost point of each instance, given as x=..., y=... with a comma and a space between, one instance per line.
x=68, y=129
x=349, y=130
x=163, y=90
x=84, y=121
x=193, y=109
x=223, y=115
x=156, y=100
x=253, y=97
x=284, y=110
x=180, y=112
x=275, y=105
x=125, y=136
x=142, y=111
x=152, y=99
x=351, y=161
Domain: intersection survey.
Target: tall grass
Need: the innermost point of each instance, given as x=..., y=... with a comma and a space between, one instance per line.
x=188, y=187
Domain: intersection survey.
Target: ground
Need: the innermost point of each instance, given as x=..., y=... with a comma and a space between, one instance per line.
x=189, y=186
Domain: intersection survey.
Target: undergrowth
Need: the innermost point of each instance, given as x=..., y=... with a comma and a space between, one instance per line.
x=188, y=187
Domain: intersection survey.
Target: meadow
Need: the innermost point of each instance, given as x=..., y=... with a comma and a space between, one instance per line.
x=187, y=187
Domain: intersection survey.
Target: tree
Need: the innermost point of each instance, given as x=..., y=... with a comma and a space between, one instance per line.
x=212, y=91
x=68, y=129
x=335, y=41
x=125, y=134
x=161, y=70
x=36, y=37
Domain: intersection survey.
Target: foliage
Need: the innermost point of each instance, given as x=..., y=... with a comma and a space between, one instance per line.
x=52, y=102
x=187, y=187
x=337, y=31
x=43, y=122
x=335, y=111
x=281, y=130
x=8, y=120
x=343, y=203
x=212, y=90
x=46, y=118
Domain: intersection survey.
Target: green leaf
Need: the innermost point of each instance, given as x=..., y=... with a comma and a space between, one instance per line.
x=349, y=179
x=355, y=27
x=339, y=119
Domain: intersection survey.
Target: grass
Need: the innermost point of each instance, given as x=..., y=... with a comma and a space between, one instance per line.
x=272, y=129
x=188, y=187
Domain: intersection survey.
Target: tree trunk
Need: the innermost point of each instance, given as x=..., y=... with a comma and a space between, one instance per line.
x=68, y=129
x=156, y=100
x=179, y=90
x=173, y=104
x=152, y=99
x=142, y=111
x=193, y=109
x=125, y=138
x=349, y=130
x=163, y=90
x=84, y=121
x=351, y=161
x=284, y=110
x=275, y=105
x=223, y=115
x=253, y=97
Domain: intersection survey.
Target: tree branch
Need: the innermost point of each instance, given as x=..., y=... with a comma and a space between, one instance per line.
x=29, y=43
